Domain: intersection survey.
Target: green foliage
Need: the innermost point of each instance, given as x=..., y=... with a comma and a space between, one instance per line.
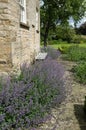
x=58, y=43
x=26, y=100
x=65, y=32
x=52, y=42
x=83, y=39
x=80, y=72
x=41, y=89
x=48, y=17
x=63, y=49
x=76, y=53
x=76, y=39
x=20, y=77
x=82, y=29
x=62, y=38
x=79, y=39
x=55, y=11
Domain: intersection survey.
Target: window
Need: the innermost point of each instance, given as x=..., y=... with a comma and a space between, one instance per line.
x=37, y=19
x=23, y=11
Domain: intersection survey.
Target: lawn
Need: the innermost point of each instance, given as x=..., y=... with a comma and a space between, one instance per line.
x=75, y=53
x=56, y=46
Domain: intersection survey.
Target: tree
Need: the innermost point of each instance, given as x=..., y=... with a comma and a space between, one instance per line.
x=48, y=19
x=65, y=33
x=59, y=11
x=82, y=29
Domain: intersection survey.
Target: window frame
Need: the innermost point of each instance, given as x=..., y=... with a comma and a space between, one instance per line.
x=37, y=19
x=23, y=18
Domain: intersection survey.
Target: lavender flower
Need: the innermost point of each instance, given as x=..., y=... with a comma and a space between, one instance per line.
x=53, y=53
x=25, y=101
x=2, y=117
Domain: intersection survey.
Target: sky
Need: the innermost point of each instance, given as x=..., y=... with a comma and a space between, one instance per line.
x=79, y=23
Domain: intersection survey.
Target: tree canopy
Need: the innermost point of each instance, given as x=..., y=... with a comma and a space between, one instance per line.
x=82, y=29
x=59, y=11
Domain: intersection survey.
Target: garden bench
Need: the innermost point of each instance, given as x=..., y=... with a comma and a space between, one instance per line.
x=41, y=56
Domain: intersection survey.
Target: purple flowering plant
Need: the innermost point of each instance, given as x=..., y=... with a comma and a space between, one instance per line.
x=24, y=102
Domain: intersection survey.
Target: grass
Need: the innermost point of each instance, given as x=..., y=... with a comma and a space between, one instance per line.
x=80, y=72
x=62, y=44
x=56, y=46
x=76, y=53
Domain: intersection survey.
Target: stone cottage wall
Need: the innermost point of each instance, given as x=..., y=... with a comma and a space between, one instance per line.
x=37, y=32
x=5, y=48
x=18, y=42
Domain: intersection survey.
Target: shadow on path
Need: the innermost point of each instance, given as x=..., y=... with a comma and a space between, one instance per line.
x=81, y=117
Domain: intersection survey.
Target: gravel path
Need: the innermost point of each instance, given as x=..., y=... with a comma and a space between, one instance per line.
x=69, y=115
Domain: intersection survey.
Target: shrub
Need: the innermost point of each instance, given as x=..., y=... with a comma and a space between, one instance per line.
x=82, y=29
x=76, y=39
x=65, y=32
x=79, y=39
x=57, y=42
x=76, y=53
x=63, y=49
x=80, y=72
x=83, y=39
x=52, y=42
x=25, y=101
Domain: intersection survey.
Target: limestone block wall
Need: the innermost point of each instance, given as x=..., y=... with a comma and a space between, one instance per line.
x=18, y=42
x=37, y=32
x=34, y=44
x=14, y=16
x=5, y=48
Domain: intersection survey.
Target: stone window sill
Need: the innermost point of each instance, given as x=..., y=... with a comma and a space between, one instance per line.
x=25, y=26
